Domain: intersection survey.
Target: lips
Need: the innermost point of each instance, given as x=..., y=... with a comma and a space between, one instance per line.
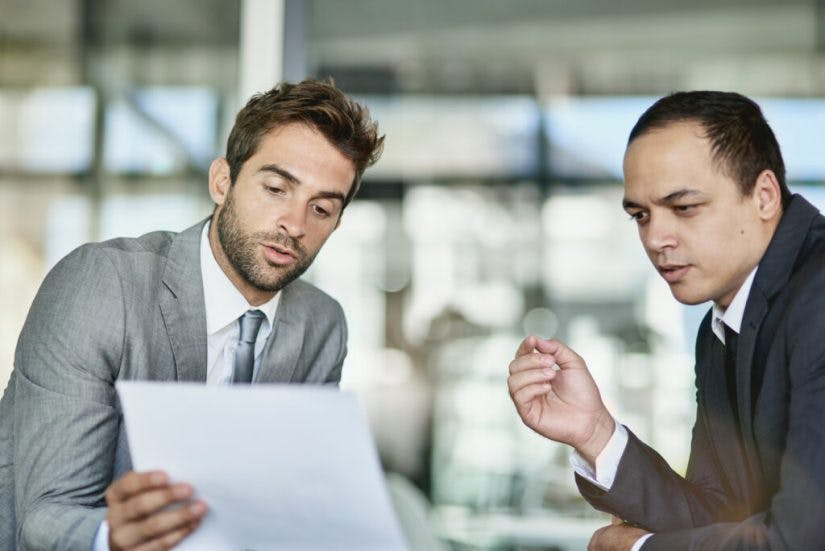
x=673, y=273
x=278, y=254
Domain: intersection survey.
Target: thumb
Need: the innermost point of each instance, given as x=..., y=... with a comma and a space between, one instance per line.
x=563, y=355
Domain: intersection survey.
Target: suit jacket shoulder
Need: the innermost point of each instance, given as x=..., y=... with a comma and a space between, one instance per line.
x=309, y=340
x=95, y=319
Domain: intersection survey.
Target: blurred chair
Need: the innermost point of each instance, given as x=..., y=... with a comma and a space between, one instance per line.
x=413, y=512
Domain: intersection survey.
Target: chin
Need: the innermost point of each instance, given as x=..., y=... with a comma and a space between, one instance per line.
x=689, y=298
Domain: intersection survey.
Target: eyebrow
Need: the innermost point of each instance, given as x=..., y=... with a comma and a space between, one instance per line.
x=668, y=199
x=293, y=180
x=283, y=173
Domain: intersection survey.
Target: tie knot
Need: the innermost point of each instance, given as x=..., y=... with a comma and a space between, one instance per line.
x=250, y=324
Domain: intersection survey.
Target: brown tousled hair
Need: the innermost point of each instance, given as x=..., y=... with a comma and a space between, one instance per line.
x=345, y=123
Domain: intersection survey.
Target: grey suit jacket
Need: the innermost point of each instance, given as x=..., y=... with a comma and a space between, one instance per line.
x=130, y=309
x=755, y=480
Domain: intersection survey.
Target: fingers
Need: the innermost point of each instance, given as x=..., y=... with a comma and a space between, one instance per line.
x=521, y=380
x=524, y=396
x=561, y=354
x=527, y=346
x=133, y=483
x=148, y=502
x=160, y=530
x=565, y=357
x=530, y=372
x=147, y=512
x=168, y=541
x=530, y=360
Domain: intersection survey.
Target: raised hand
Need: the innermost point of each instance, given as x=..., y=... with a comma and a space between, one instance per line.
x=556, y=396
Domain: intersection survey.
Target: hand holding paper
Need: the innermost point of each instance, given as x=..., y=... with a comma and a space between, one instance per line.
x=280, y=467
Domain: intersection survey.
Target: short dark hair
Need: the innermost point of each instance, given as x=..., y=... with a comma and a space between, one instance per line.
x=742, y=142
x=317, y=103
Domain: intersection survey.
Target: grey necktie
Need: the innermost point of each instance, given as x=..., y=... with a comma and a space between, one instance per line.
x=250, y=322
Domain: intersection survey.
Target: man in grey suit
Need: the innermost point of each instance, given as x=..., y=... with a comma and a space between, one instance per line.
x=705, y=183
x=170, y=307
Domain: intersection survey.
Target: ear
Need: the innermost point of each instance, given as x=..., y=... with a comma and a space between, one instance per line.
x=219, y=180
x=767, y=196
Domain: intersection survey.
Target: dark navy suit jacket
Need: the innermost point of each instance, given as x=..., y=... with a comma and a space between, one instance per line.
x=759, y=482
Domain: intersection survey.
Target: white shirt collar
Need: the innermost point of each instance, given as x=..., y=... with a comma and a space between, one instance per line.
x=224, y=303
x=732, y=316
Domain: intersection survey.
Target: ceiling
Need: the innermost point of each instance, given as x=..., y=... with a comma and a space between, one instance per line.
x=459, y=46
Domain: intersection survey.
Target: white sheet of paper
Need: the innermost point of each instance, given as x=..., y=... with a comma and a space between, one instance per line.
x=281, y=467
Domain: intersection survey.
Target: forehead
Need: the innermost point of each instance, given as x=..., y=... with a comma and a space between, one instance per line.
x=668, y=159
x=301, y=146
x=294, y=136
x=674, y=143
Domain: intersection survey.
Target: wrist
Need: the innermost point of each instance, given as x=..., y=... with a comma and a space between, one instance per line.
x=603, y=430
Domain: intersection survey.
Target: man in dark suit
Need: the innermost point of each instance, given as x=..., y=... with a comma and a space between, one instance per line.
x=176, y=307
x=705, y=183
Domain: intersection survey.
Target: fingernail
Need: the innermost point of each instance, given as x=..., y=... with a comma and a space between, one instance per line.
x=198, y=508
x=548, y=371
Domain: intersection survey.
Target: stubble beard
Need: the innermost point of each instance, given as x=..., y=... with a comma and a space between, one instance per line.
x=241, y=249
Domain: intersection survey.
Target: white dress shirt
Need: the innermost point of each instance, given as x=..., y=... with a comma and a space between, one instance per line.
x=607, y=462
x=224, y=306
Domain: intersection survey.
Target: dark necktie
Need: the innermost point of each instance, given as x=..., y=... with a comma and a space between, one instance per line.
x=244, y=365
x=731, y=340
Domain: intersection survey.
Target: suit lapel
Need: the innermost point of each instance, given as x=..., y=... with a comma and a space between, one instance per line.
x=745, y=391
x=756, y=331
x=744, y=394
x=771, y=277
x=724, y=432
x=286, y=340
x=182, y=305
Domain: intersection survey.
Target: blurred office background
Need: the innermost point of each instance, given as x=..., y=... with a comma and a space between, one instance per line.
x=495, y=211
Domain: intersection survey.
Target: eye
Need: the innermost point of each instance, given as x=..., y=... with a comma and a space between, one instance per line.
x=639, y=216
x=684, y=209
x=320, y=211
x=274, y=189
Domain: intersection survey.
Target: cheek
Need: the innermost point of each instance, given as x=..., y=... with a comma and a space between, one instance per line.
x=320, y=234
x=643, y=239
x=719, y=240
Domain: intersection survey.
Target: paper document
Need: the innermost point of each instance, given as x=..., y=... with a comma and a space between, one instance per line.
x=281, y=467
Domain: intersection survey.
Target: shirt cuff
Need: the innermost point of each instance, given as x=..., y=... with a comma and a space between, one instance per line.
x=101, y=542
x=607, y=462
x=640, y=542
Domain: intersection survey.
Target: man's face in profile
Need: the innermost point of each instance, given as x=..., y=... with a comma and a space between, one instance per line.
x=701, y=234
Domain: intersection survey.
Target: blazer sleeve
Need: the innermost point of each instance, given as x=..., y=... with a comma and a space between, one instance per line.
x=693, y=513
x=647, y=492
x=65, y=415
x=794, y=518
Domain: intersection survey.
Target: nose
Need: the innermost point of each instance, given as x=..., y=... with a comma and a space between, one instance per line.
x=292, y=220
x=658, y=234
